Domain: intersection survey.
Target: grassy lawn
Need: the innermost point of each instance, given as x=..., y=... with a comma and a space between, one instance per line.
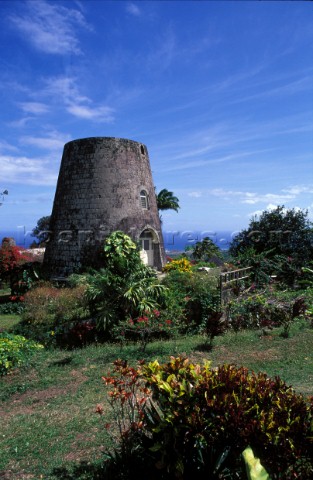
x=48, y=419
x=7, y=322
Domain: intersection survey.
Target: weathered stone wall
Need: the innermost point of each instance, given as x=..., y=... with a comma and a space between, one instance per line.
x=98, y=191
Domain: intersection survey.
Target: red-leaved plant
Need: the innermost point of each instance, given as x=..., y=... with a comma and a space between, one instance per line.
x=190, y=421
x=144, y=328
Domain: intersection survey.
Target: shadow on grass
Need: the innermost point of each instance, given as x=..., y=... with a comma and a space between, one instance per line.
x=204, y=347
x=82, y=471
x=108, y=470
x=62, y=362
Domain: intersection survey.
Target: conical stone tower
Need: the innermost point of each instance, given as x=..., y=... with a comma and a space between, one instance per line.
x=105, y=184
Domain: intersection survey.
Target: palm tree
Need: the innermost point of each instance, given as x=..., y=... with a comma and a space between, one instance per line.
x=167, y=201
x=205, y=250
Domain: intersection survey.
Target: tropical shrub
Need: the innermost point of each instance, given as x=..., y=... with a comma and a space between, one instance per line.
x=149, y=326
x=24, y=277
x=184, y=421
x=284, y=236
x=288, y=270
x=15, y=351
x=307, y=276
x=255, y=471
x=11, y=259
x=249, y=312
x=214, y=325
x=260, y=311
x=50, y=312
x=197, y=293
x=125, y=287
x=15, y=306
x=79, y=334
x=263, y=267
x=120, y=253
x=180, y=264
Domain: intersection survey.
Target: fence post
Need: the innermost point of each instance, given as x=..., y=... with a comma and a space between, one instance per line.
x=230, y=277
x=221, y=289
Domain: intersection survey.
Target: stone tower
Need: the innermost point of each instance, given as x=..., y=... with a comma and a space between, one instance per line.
x=105, y=184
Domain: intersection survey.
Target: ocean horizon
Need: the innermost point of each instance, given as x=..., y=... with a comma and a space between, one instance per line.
x=177, y=240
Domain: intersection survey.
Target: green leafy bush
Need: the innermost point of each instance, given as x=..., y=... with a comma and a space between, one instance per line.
x=11, y=308
x=15, y=351
x=260, y=311
x=263, y=266
x=197, y=293
x=281, y=235
x=191, y=421
x=149, y=326
x=125, y=287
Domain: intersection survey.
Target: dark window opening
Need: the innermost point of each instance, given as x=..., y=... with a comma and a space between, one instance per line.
x=143, y=199
x=142, y=149
x=146, y=244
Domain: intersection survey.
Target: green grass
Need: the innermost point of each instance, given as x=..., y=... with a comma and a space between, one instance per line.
x=48, y=418
x=4, y=291
x=7, y=322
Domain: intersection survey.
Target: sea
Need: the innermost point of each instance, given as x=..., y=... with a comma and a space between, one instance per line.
x=179, y=241
x=21, y=236
x=174, y=241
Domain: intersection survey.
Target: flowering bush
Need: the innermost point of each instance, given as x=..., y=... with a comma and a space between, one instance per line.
x=146, y=327
x=15, y=351
x=49, y=309
x=181, y=264
x=12, y=258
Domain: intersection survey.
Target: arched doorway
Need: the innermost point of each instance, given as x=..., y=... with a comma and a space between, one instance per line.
x=147, y=240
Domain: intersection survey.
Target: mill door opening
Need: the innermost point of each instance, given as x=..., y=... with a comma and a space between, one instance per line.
x=146, y=241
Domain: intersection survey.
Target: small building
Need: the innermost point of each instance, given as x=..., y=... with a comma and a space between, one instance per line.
x=105, y=184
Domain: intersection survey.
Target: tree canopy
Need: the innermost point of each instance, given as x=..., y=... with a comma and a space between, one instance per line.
x=205, y=250
x=277, y=232
x=42, y=229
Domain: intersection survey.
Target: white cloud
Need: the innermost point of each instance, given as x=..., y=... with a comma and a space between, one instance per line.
x=5, y=146
x=254, y=198
x=53, y=141
x=195, y=194
x=104, y=114
x=269, y=208
x=34, y=107
x=298, y=189
x=250, y=198
x=26, y=171
x=50, y=27
x=21, y=123
x=76, y=104
x=133, y=9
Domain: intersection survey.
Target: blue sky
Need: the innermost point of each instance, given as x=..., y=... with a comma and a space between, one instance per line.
x=220, y=92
